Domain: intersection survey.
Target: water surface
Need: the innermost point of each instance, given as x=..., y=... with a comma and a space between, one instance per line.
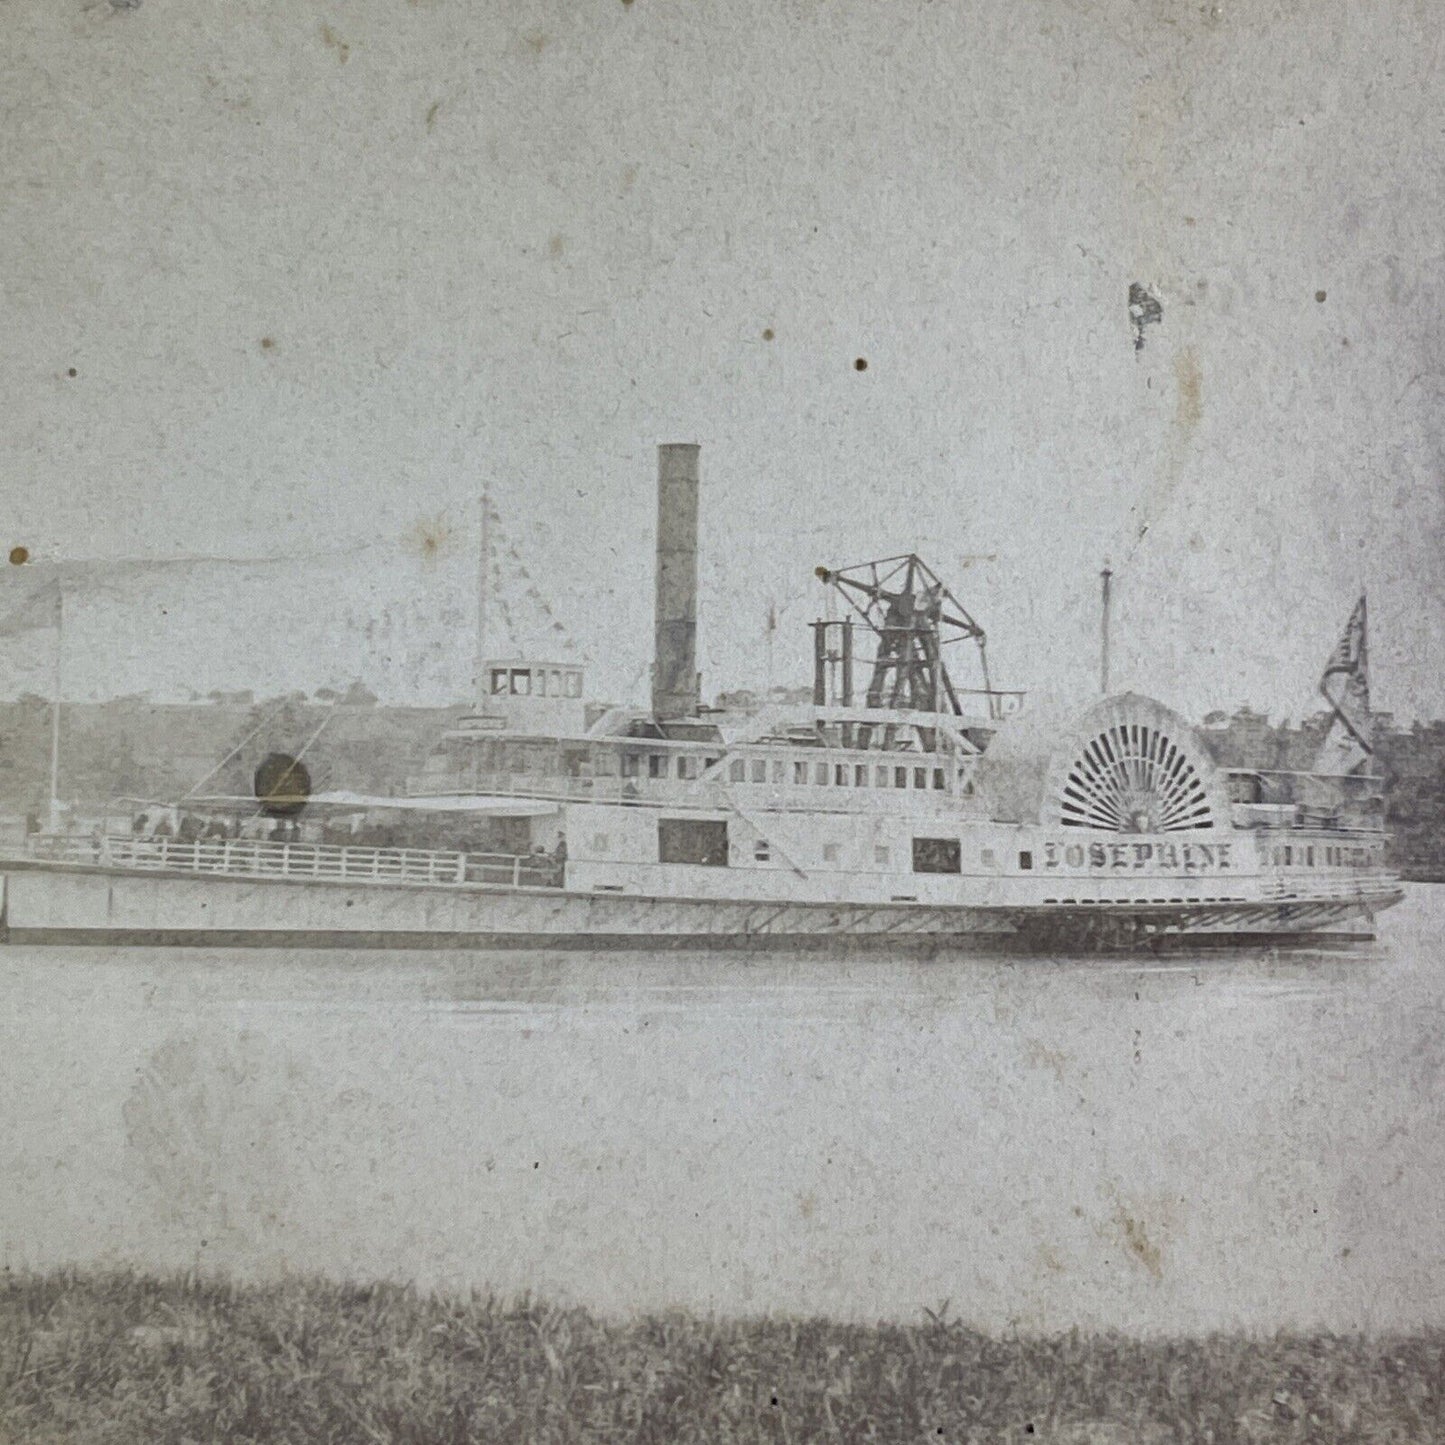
x=1249, y=1138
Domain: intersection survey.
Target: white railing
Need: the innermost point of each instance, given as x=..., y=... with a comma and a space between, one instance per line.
x=1342, y=885
x=693, y=793
x=253, y=858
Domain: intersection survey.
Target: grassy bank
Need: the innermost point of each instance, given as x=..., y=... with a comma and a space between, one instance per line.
x=120, y=1357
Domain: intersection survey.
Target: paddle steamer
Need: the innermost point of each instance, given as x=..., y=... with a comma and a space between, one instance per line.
x=894, y=804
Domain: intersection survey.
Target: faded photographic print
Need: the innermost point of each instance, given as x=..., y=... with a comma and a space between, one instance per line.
x=722, y=722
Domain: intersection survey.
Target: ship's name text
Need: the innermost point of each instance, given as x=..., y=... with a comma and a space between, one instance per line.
x=1191, y=857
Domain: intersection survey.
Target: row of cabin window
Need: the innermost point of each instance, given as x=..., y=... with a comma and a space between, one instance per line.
x=838, y=775
x=705, y=842
x=543, y=681
x=1333, y=855
x=686, y=766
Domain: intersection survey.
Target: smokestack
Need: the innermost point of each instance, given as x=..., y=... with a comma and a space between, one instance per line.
x=675, y=683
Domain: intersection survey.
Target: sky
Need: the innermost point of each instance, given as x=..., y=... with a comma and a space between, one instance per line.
x=294, y=284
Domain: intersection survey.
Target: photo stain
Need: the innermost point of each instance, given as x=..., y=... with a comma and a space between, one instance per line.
x=19, y=556
x=1190, y=381
x=537, y=41
x=428, y=539
x=268, y=343
x=72, y=373
x=556, y=244
x=861, y=364
x=431, y=114
x=1320, y=295
x=333, y=41
x=767, y=333
x=1140, y=1245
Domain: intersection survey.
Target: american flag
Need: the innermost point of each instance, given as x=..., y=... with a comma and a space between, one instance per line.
x=1345, y=683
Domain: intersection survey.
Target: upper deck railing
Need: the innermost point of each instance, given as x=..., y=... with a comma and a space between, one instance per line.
x=264, y=858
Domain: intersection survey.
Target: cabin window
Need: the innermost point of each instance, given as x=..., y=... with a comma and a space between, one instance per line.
x=574, y=684
x=820, y=774
x=860, y=775
x=762, y=851
x=800, y=773
x=499, y=679
x=1288, y=856
x=702, y=842
x=780, y=770
x=937, y=855
x=710, y=763
x=830, y=852
x=759, y=771
x=988, y=859
x=900, y=777
x=521, y=681
x=656, y=765
x=737, y=770
x=840, y=774
x=938, y=779
x=1026, y=860
x=880, y=855
x=1309, y=857
x=556, y=683
x=880, y=777
x=686, y=767
x=631, y=765
x=600, y=843
x=920, y=777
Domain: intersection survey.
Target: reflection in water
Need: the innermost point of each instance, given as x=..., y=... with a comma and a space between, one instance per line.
x=1161, y=1143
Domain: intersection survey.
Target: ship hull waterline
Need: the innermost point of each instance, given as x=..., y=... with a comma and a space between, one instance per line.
x=49, y=904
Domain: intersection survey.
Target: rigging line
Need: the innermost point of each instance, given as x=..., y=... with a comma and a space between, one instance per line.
x=503, y=541
x=196, y=787
x=80, y=566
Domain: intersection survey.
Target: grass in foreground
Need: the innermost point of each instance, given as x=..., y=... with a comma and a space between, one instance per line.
x=119, y=1357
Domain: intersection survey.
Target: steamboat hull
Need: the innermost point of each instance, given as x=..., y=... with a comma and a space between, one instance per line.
x=58, y=904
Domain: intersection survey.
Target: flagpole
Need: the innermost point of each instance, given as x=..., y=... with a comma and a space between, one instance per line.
x=484, y=554
x=1105, y=577
x=55, y=711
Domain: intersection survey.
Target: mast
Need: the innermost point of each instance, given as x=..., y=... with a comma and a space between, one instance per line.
x=1106, y=575
x=55, y=710
x=484, y=550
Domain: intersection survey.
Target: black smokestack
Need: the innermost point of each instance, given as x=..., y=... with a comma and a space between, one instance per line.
x=675, y=683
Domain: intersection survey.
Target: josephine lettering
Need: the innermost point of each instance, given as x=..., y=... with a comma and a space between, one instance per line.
x=1167, y=857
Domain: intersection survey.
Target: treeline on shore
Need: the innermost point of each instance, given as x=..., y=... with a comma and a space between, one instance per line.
x=122, y=1357
x=133, y=749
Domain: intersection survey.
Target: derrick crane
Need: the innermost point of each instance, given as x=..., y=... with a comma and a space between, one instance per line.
x=913, y=616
